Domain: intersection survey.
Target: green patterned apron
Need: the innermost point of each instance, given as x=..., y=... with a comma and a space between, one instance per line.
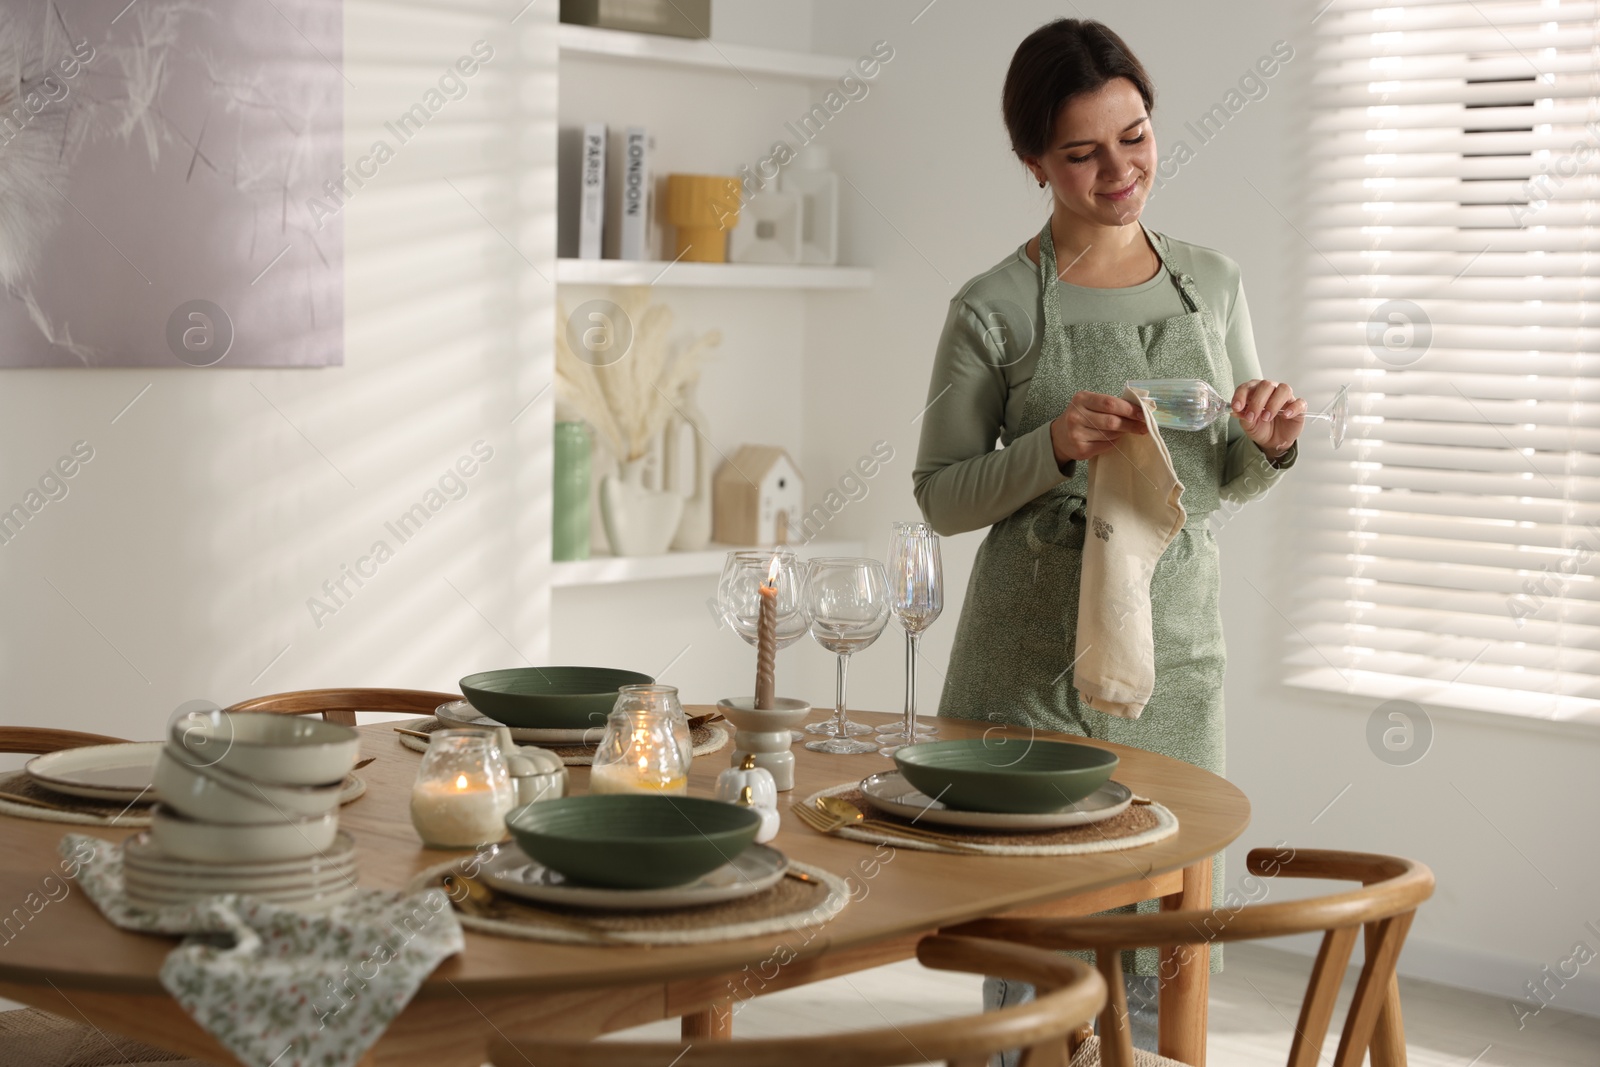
x=1014, y=644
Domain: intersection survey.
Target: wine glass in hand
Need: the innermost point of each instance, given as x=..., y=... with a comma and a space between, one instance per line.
x=916, y=597
x=848, y=601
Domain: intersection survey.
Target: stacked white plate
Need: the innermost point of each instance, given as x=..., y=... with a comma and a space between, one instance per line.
x=154, y=879
x=249, y=804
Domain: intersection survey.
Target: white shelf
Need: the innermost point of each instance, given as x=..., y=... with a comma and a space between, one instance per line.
x=708, y=275
x=735, y=59
x=606, y=570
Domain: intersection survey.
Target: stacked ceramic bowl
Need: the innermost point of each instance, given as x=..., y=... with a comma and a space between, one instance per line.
x=249, y=803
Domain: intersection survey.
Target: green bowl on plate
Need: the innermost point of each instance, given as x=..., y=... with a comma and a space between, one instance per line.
x=1011, y=775
x=549, y=698
x=628, y=841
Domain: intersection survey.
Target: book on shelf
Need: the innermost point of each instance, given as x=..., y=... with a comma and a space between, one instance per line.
x=592, y=191
x=628, y=205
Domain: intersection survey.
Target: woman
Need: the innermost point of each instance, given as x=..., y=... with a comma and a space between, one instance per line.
x=1036, y=352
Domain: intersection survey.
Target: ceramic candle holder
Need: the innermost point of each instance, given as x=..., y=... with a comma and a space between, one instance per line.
x=765, y=734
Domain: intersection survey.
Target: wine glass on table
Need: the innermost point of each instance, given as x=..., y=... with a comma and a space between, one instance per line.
x=916, y=597
x=739, y=596
x=848, y=601
x=744, y=571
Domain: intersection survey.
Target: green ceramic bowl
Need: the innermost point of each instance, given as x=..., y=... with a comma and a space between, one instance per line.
x=1013, y=775
x=626, y=841
x=549, y=698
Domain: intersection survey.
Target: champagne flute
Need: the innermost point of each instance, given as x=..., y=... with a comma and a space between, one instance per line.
x=848, y=601
x=916, y=597
x=1192, y=404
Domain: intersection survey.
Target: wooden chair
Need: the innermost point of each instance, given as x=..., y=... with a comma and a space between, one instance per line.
x=1069, y=994
x=37, y=740
x=36, y=1037
x=340, y=705
x=1381, y=910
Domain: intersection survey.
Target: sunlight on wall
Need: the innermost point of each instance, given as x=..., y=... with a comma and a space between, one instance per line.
x=181, y=562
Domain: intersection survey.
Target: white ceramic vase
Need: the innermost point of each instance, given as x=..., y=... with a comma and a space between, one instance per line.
x=640, y=520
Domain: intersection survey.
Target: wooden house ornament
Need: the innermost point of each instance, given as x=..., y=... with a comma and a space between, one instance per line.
x=759, y=497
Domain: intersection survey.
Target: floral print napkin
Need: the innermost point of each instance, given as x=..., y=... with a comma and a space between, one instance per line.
x=282, y=988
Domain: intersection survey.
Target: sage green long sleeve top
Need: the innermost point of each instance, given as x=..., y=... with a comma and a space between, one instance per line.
x=986, y=358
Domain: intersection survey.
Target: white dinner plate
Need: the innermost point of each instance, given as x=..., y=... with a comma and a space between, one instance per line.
x=891, y=792
x=124, y=772
x=298, y=885
x=141, y=852
x=320, y=900
x=756, y=868
x=460, y=713
x=291, y=886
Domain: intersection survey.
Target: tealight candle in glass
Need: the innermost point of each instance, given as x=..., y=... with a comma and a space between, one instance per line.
x=646, y=747
x=463, y=791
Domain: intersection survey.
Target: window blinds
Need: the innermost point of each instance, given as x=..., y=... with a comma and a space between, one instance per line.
x=1452, y=549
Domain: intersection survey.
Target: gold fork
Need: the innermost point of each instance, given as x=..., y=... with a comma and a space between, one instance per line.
x=826, y=823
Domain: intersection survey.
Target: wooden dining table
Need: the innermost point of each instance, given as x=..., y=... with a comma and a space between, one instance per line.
x=69, y=960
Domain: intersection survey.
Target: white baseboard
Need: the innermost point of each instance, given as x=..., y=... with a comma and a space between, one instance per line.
x=1480, y=972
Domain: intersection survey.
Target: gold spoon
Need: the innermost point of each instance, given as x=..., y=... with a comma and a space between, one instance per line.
x=842, y=809
x=476, y=898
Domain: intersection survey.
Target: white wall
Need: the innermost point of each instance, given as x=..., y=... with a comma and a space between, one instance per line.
x=180, y=564
x=1500, y=808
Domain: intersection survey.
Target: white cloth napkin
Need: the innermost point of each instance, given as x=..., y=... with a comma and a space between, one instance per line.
x=283, y=987
x=1133, y=513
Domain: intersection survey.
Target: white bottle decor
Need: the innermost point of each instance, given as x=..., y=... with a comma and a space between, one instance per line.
x=811, y=178
x=771, y=229
x=694, y=528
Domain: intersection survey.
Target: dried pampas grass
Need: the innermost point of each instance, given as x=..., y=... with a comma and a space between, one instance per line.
x=629, y=402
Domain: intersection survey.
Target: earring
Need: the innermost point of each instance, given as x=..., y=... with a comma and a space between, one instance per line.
x=1041, y=183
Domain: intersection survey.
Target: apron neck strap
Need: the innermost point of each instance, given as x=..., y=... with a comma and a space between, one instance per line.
x=1049, y=275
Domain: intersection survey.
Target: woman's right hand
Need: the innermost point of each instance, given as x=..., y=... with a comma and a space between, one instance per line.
x=1091, y=425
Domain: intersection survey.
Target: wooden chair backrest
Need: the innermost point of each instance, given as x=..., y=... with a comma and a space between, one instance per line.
x=37, y=740
x=340, y=705
x=1070, y=993
x=1382, y=909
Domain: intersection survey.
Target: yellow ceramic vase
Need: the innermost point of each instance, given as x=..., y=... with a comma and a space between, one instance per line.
x=701, y=208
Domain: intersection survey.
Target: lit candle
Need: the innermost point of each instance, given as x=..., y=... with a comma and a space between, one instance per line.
x=626, y=778
x=639, y=754
x=767, y=640
x=462, y=812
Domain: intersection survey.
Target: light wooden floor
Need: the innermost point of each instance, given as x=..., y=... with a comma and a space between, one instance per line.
x=1253, y=1006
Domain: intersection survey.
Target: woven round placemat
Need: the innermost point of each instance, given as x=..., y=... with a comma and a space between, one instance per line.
x=707, y=739
x=82, y=811
x=789, y=905
x=1140, y=824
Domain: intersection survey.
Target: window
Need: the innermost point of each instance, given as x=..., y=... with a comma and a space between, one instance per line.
x=1454, y=541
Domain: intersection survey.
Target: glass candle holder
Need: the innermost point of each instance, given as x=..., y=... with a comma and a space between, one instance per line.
x=646, y=747
x=463, y=791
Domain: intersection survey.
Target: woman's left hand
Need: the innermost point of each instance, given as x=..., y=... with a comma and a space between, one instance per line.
x=1260, y=406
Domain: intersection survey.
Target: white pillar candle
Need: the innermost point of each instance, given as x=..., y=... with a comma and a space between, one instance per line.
x=459, y=812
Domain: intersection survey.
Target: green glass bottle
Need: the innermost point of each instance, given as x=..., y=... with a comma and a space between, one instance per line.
x=570, y=491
